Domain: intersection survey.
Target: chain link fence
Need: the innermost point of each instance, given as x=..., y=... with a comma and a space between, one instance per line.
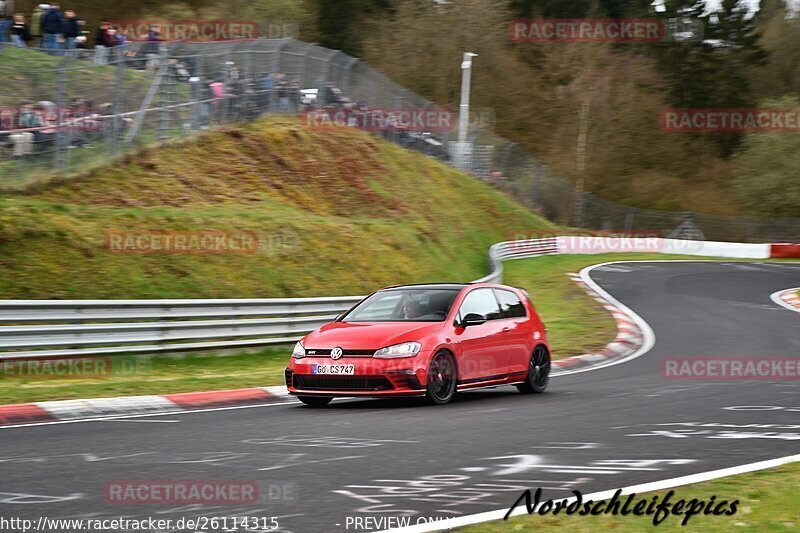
x=70, y=110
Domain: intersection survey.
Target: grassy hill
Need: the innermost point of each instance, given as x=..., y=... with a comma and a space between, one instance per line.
x=32, y=75
x=335, y=211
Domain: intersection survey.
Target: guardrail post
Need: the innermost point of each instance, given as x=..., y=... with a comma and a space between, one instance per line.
x=347, y=72
x=58, y=158
x=118, y=109
x=506, y=157
x=629, y=216
x=164, y=101
x=200, y=111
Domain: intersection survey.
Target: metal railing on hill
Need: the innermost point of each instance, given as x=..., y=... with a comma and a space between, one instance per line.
x=72, y=111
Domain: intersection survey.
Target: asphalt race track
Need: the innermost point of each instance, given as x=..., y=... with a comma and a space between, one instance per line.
x=597, y=430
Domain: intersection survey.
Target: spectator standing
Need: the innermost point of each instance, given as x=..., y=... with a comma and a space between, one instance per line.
x=20, y=31
x=282, y=86
x=51, y=28
x=116, y=40
x=81, y=41
x=112, y=38
x=28, y=116
x=150, y=49
x=6, y=19
x=101, y=43
x=265, y=94
x=153, y=33
x=101, y=37
x=36, y=23
x=71, y=29
x=5, y=26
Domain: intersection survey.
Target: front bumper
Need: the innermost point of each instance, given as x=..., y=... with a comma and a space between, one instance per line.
x=371, y=377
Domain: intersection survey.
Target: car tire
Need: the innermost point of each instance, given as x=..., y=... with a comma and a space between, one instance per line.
x=442, y=378
x=538, y=372
x=315, y=401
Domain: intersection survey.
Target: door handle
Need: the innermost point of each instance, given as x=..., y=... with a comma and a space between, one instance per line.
x=506, y=329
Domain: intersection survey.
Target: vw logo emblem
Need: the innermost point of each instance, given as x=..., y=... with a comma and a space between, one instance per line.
x=336, y=353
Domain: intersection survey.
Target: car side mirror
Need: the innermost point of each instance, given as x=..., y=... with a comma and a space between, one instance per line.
x=472, y=319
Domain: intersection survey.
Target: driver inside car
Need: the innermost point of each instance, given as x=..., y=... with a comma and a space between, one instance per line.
x=413, y=309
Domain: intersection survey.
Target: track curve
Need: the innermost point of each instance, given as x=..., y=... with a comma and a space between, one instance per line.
x=597, y=430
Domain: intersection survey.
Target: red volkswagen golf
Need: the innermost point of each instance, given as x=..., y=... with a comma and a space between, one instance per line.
x=424, y=340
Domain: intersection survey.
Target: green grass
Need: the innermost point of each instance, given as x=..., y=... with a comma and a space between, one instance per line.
x=336, y=212
x=576, y=324
x=38, y=169
x=31, y=74
x=161, y=374
x=565, y=307
x=768, y=501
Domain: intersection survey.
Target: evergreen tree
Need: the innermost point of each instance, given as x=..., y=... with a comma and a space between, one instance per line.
x=713, y=72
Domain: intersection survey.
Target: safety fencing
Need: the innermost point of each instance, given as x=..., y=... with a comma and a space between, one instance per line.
x=72, y=112
x=70, y=328
x=74, y=328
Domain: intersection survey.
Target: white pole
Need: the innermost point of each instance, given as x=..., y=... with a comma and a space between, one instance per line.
x=460, y=149
x=463, y=109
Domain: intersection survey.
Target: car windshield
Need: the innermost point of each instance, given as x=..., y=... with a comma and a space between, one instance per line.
x=404, y=305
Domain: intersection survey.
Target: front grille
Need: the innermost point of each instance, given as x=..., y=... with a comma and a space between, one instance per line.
x=314, y=352
x=363, y=383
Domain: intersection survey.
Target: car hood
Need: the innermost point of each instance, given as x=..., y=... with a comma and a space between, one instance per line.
x=368, y=335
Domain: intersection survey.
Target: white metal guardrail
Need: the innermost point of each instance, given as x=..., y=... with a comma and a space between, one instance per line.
x=71, y=328
x=58, y=328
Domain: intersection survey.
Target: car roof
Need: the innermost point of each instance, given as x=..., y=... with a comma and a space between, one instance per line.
x=426, y=286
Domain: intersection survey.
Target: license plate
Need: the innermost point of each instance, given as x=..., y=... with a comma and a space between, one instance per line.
x=335, y=369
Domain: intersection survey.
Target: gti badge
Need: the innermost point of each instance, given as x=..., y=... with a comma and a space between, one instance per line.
x=336, y=353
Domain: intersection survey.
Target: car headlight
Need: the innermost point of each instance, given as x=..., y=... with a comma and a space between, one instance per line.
x=404, y=349
x=299, y=351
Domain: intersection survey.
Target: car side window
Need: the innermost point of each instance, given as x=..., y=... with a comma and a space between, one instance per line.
x=510, y=304
x=482, y=302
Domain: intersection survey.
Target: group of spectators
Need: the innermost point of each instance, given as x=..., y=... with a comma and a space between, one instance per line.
x=49, y=27
x=54, y=30
x=220, y=96
x=33, y=126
